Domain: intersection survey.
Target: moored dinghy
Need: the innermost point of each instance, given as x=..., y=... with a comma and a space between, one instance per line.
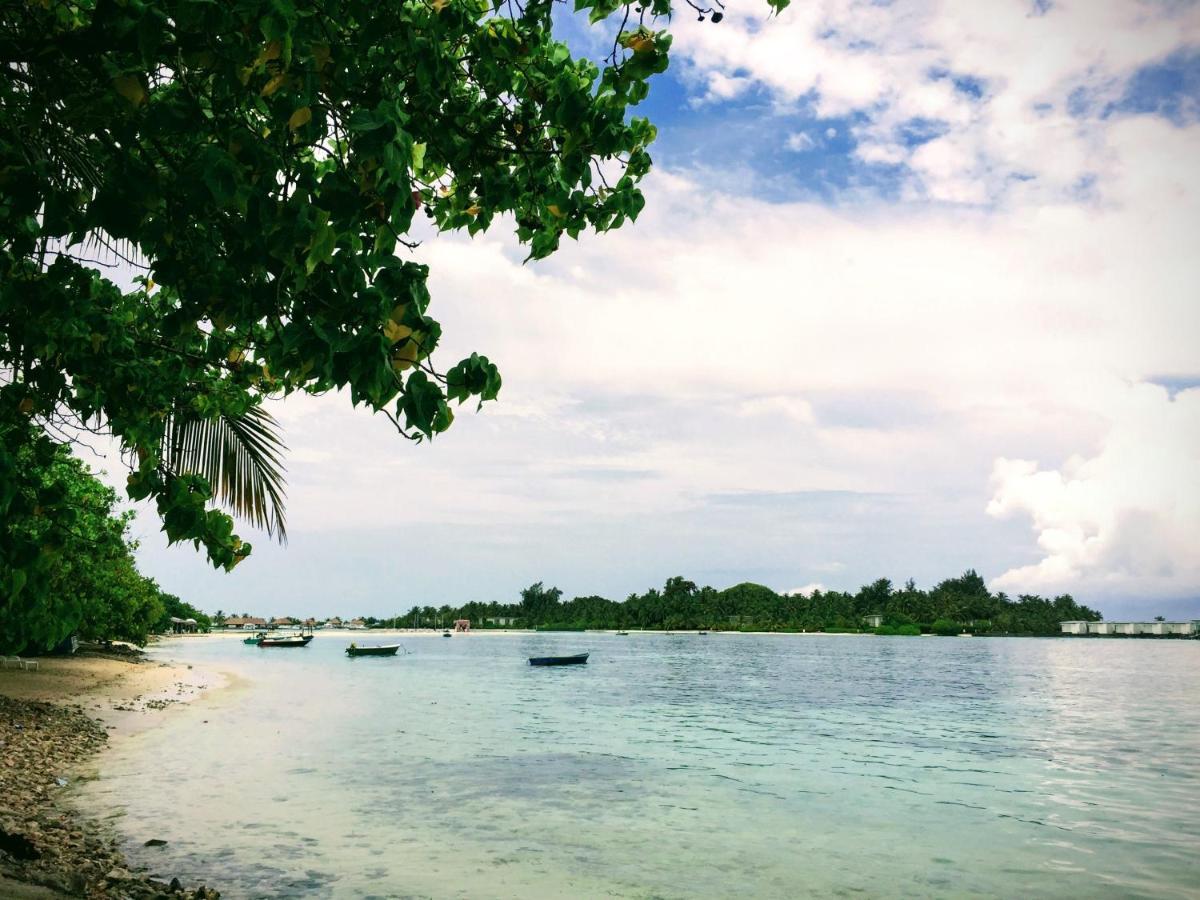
x=578, y=659
x=379, y=650
x=290, y=641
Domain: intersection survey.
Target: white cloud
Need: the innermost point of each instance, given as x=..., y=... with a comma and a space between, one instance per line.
x=998, y=77
x=859, y=371
x=1126, y=520
x=799, y=142
x=796, y=408
x=882, y=153
x=807, y=591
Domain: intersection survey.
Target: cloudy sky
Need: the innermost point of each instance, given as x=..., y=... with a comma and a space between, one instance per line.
x=915, y=291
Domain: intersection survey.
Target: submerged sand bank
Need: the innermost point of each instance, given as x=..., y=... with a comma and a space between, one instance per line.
x=53, y=721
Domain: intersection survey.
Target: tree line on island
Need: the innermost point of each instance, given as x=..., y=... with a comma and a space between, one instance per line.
x=85, y=555
x=952, y=606
x=94, y=590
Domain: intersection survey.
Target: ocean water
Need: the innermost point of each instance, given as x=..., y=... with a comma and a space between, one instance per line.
x=676, y=766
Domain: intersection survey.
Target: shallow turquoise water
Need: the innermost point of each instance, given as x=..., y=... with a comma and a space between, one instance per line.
x=678, y=766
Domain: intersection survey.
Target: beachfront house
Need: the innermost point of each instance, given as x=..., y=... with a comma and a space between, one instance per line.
x=501, y=621
x=873, y=621
x=184, y=626
x=243, y=622
x=462, y=624
x=357, y=623
x=283, y=621
x=1074, y=627
x=1178, y=629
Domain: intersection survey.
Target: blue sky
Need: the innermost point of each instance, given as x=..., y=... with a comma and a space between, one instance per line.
x=914, y=292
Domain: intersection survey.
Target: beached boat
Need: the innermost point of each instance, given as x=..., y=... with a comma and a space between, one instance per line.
x=295, y=640
x=379, y=650
x=577, y=660
x=254, y=640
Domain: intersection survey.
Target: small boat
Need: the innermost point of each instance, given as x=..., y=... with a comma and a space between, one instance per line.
x=701, y=632
x=578, y=659
x=290, y=641
x=622, y=634
x=380, y=650
x=254, y=640
x=445, y=634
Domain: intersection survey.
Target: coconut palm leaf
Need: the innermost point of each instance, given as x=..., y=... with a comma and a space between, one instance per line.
x=240, y=456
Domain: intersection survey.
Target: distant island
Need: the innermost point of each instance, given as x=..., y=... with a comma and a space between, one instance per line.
x=953, y=606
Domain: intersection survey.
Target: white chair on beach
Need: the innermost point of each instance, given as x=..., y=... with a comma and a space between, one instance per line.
x=20, y=663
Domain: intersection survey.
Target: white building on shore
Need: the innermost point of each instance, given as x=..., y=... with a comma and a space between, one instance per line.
x=1182, y=629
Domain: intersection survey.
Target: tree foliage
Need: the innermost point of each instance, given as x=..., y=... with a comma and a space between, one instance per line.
x=78, y=574
x=952, y=606
x=259, y=164
x=173, y=607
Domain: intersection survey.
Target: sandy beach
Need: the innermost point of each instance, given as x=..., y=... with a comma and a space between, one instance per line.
x=53, y=722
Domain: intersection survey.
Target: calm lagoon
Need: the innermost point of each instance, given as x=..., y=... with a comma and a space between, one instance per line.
x=675, y=766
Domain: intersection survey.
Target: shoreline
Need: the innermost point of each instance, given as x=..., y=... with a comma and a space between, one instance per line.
x=55, y=722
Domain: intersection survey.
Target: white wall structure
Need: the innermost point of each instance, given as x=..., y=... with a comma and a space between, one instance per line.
x=1182, y=629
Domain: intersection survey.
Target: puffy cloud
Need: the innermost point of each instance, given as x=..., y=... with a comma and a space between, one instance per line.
x=857, y=372
x=1124, y=521
x=808, y=590
x=1020, y=91
x=799, y=142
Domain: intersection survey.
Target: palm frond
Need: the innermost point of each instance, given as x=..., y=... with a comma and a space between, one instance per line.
x=240, y=456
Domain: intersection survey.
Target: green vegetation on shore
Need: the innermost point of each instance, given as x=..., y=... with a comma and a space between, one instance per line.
x=951, y=607
x=78, y=574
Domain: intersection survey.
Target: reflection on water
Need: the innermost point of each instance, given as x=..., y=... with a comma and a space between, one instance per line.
x=678, y=766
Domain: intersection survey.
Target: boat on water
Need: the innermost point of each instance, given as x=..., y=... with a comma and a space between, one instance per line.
x=622, y=634
x=293, y=640
x=378, y=650
x=701, y=632
x=445, y=634
x=254, y=640
x=578, y=659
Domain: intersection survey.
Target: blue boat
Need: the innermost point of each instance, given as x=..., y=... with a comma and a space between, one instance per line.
x=578, y=659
